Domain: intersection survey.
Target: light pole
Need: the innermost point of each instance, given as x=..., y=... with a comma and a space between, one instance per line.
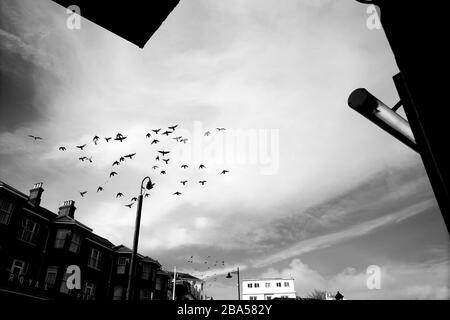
x=131, y=273
x=229, y=276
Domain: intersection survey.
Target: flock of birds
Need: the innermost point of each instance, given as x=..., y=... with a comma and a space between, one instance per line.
x=162, y=156
x=206, y=262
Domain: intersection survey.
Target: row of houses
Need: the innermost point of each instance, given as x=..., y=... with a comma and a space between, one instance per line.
x=37, y=246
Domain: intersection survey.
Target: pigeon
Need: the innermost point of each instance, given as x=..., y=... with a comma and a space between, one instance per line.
x=157, y=158
x=83, y=193
x=167, y=132
x=81, y=147
x=173, y=127
x=99, y=189
x=82, y=158
x=207, y=133
x=62, y=148
x=129, y=205
x=184, y=166
x=183, y=182
x=148, y=135
x=184, y=140
x=164, y=152
x=133, y=199
x=202, y=182
x=108, y=138
x=120, y=139
x=112, y=174
x=35, y=137
x=156, y=131
x=155, y=141
x=131, y=155
x=163, y=172
x=220, y=129
x=155, y=167
x=166, y=160
x=116, y=163
x=201, y=166
x=224, y=171
x=119, y=194
x=119, y=135
x=177, y=193
x=122, y=159
x=95, y=139
x=90, y=159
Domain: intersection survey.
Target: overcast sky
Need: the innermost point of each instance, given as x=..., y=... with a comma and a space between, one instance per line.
x=314, y=190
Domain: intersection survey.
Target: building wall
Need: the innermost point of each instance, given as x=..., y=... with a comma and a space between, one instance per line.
x=266, y=289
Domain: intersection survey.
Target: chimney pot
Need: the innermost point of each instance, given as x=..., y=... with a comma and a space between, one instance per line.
x=36, y=193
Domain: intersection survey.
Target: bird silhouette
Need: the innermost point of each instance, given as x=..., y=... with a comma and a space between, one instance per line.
x=220, y=129
x=108, y=138
x=112, y=174
x=116, y=163
x=146, y=195
x=82, y=158
x=157, y=158
x=156, y=130
x=83, y=193
x=120, y=139
x=35, y=137
x=99, y=189
x=155, y=167
x=62, y=148
x=90, y=159
x=184, y=140
x=177, y=193
x=184, y=166
x=177, y=138
x=167, y=133
x=119, y=135
x=224, y=171
x=122, y=159
x=119, y=194
x=163, y=172
x=207, y=133
x=133, y=199
x=95, y=139
x=166, y=160
x=201, y=166
x=164, y=152
x=202, y=182
x=131, y=155
x=155, y=141
x=148, y=135
x=183, y=182
x=129, y=205
x=81, y=147
x=173, y=127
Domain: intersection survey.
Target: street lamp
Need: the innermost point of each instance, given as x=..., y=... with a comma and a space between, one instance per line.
x=131, y=274
x=229, y=276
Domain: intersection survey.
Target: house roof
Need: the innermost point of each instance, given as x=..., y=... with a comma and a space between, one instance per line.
x=68, y=220
x=184, y=276
x=124, y=249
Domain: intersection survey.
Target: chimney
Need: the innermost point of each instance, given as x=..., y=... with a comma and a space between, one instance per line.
x=35, y=194
x=67, y=209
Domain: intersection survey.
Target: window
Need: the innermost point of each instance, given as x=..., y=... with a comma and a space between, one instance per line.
x=144, y=294
x=256, y=285
x=118, y=293
x=250, y=285
x=50, y=278
x=284, y=297
x=146, y=271
x=29, y=231
x=18, y=267
x=94, y=258
x=63, y=288
x=286, y=284
x=278, y=284
x=267, y=285
x=121, y=265
x=6, y=209
x=252, y=297
x=75, y=244
x=269, y=298
x=61, y=236
x=89, y=290
x=159, y=283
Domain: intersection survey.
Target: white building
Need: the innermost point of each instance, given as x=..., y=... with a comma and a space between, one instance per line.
x=267, y=289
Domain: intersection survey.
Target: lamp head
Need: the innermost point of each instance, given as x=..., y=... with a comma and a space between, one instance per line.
x=149, y=184
x=228, y=276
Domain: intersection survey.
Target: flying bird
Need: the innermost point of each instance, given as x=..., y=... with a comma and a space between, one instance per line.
x=148, y=135
x=156, y=130
x=173, y=127
x=95, y=139
x=184, y=140
x=122, y=159
x=155, y=141
x=220, y=129
x=163, y=172
x=184, y=166
x=62, y=148
x=112, y=174
x=116, y=163
x=224, y=171
x=164, y=152
x=167, y=132
x=157, y=158
x=155, y=167
x=134, y=199
x=146, y=195
x=129, y=205
x=177, y=193
x=120, y=139
x=177, y=138
x=166, y=160
x=119, y=135
x=207, y=133
x=83, y=193
x=201, y=166
x=99, y=189
x=119, y=194
x=90, y=159
x=35, y=137
x=82, y=158
x=108, y=138
x=131, y=155
x=202, y=182
x=81, y=147
x=183, y=182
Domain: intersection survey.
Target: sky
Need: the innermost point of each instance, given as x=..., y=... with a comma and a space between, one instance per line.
x=314, y=190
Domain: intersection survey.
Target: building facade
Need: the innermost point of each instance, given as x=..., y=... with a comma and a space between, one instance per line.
x=268, y=289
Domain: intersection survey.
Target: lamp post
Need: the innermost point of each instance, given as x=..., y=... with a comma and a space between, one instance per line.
x=131, y=273
x=229, y=276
